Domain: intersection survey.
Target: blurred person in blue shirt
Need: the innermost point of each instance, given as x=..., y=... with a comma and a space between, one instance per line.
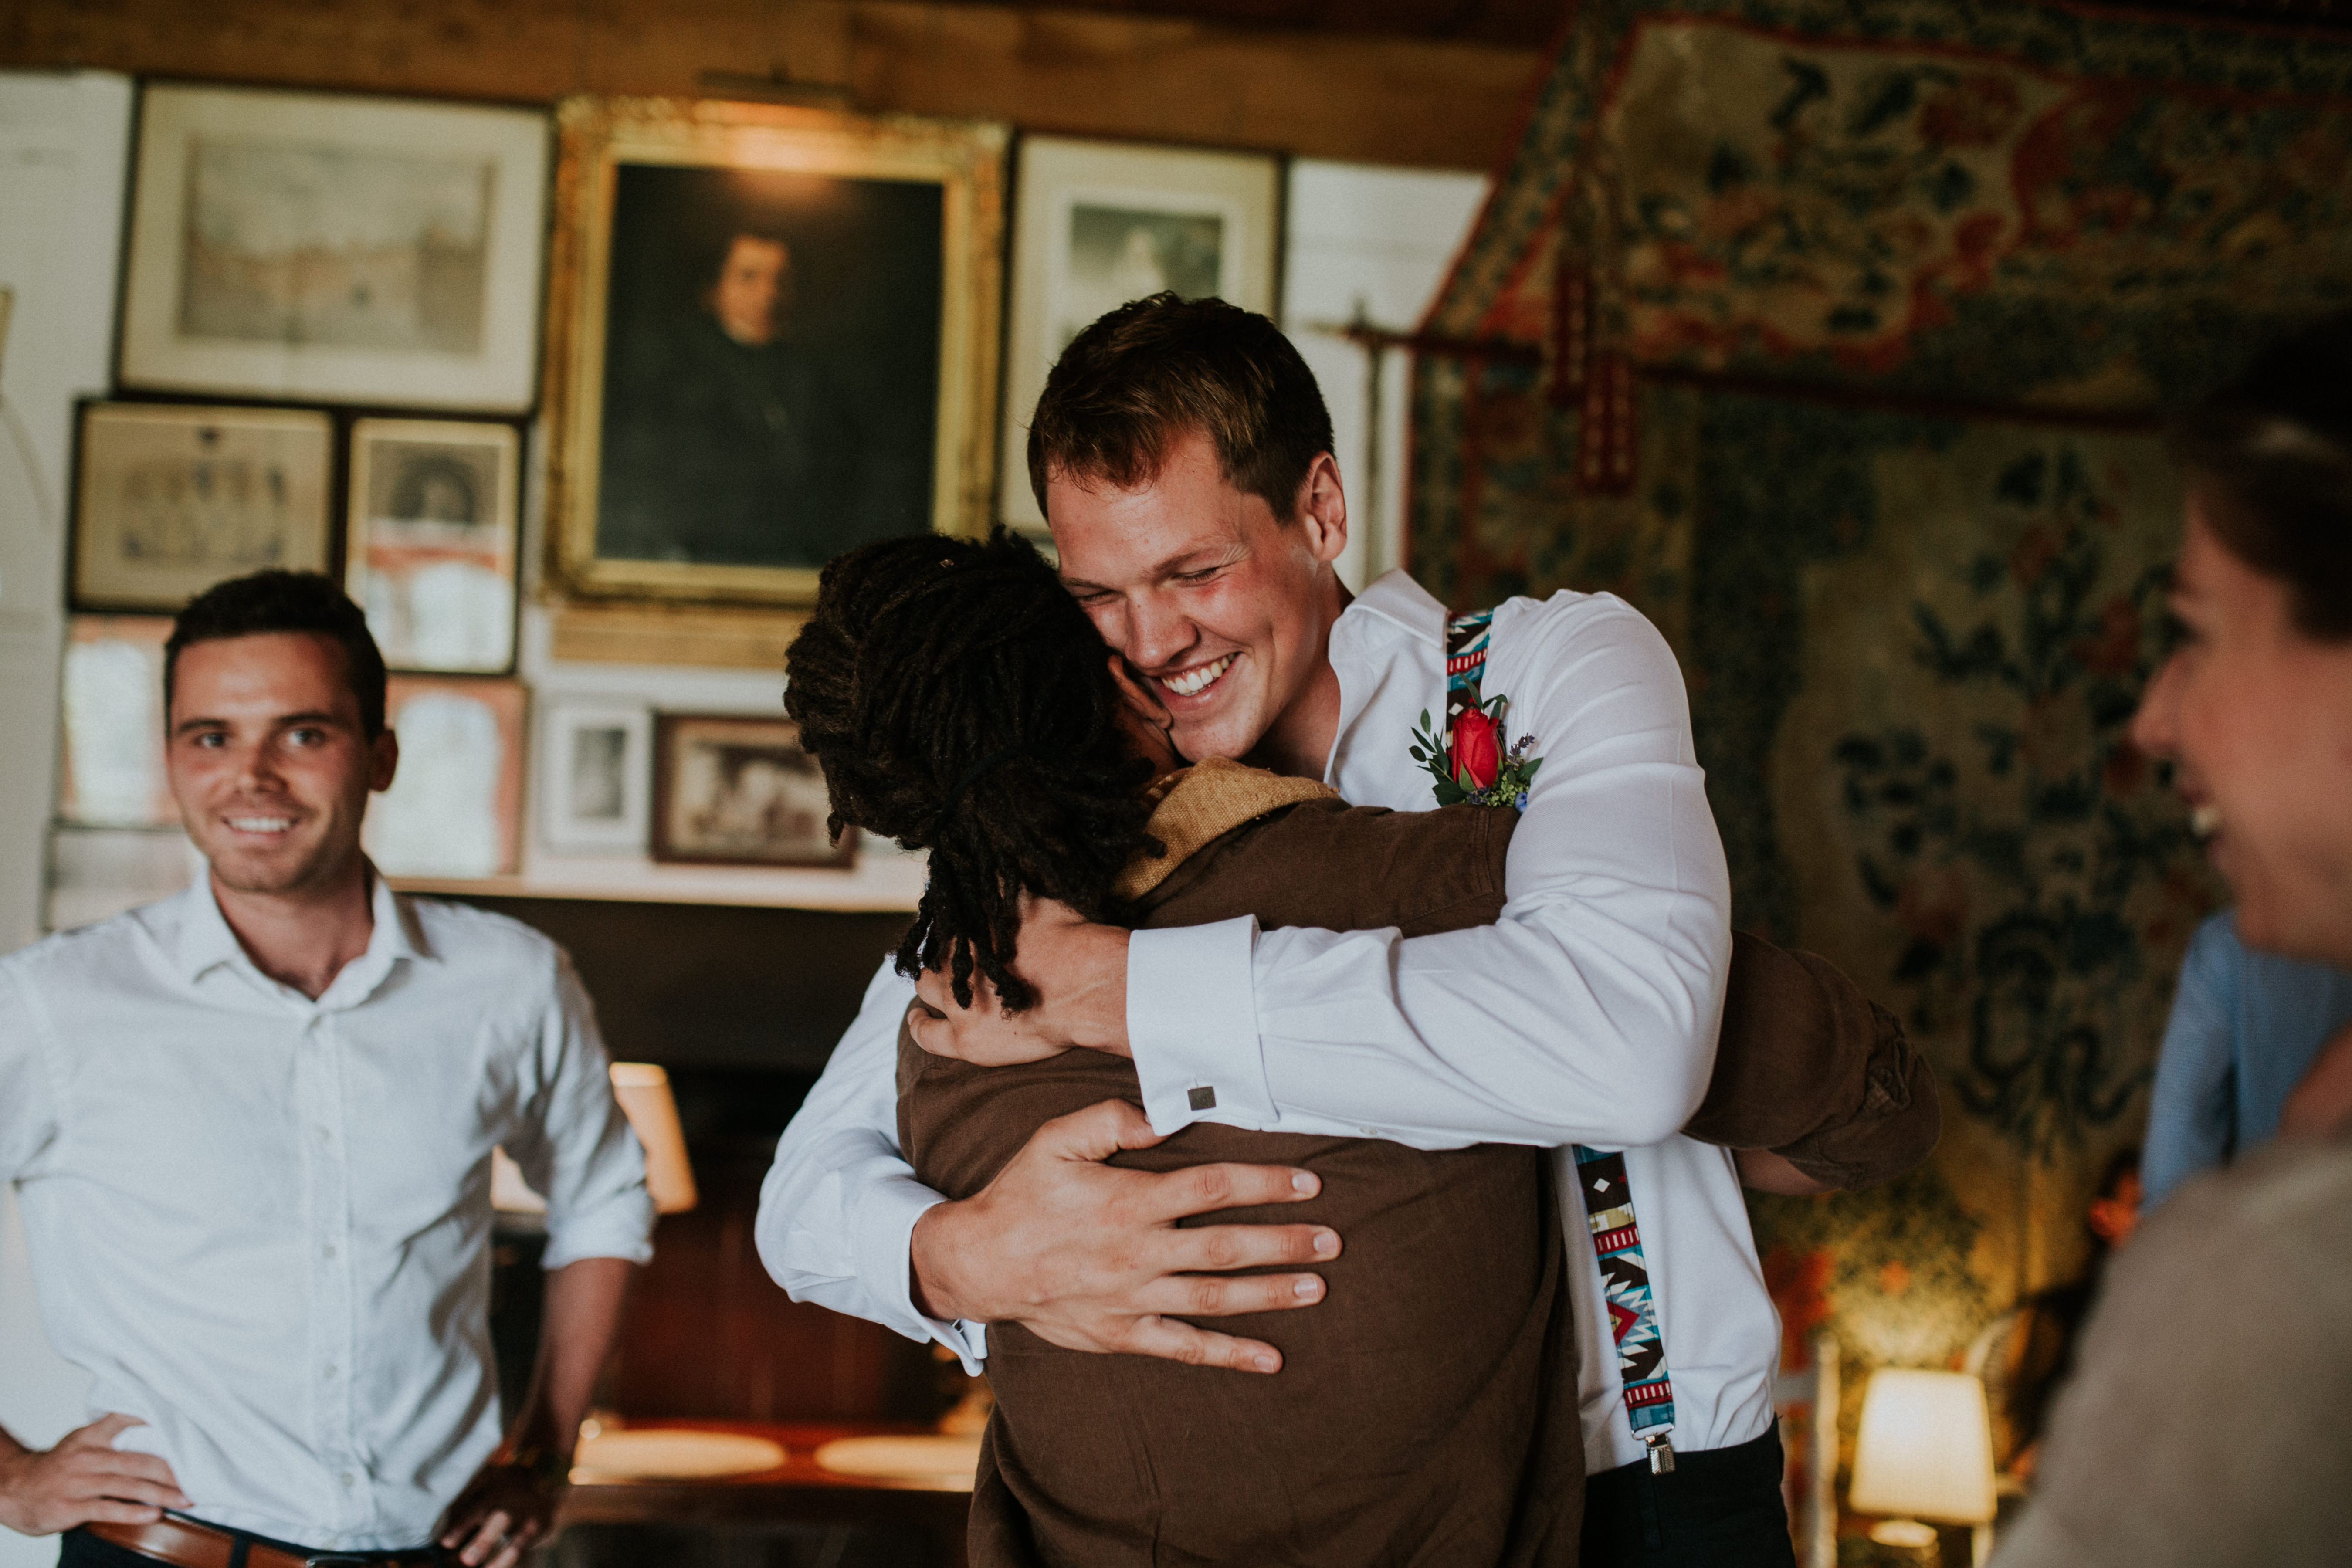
x=2245, y=1028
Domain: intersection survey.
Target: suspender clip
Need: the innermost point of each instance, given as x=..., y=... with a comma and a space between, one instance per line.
x=1662, y=1454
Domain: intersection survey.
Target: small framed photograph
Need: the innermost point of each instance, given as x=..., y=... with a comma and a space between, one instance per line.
x=429, y=546
x=171, y=497
x=335, y=248
x=595, y=774
x=112, y=759
x=455, y=807
x=775, y=338
x=739, y=792
x=1102, y=223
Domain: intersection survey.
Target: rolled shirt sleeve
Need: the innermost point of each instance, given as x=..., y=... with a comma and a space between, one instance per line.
x=575, y=1145
x=837, y=1210
x=1587, y=1014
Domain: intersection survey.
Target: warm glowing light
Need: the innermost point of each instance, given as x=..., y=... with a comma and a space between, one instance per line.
x=1925, y=1452
x=643, y=1090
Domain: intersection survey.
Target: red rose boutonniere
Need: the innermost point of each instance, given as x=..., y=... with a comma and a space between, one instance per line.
x=1473, y=765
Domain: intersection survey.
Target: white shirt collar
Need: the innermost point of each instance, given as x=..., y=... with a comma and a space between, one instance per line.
x=1396, y=597
x=206, y=941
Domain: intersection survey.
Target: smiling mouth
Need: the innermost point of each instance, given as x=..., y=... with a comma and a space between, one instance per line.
x=260, y=824
x=1192, y=682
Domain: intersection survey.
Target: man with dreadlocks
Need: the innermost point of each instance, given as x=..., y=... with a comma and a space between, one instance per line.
x=959, y=701
x=1184, y=456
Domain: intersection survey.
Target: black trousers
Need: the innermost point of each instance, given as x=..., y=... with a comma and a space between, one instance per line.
x=1718, y=1507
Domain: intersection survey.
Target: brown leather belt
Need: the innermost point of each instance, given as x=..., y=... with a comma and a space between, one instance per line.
x=192, y=1545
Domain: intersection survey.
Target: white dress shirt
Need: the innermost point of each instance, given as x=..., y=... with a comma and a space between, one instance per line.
x=1587, y=1015
x=261, y=1222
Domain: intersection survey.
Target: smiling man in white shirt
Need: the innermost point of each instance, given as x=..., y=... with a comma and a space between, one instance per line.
x=250, y=1128
x=1183, y=455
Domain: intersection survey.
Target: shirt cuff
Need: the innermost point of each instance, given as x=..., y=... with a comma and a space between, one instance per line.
x=885, y=1239
x=1192, y=1026
x=620, y=1227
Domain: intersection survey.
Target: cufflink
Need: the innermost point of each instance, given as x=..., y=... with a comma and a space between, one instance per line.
x=1202, y=1098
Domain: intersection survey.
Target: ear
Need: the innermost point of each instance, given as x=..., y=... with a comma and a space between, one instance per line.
x=383, y=761
x=1141, y=699
x=1322, y=508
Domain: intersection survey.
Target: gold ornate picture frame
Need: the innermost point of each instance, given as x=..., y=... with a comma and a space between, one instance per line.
x=773, y=334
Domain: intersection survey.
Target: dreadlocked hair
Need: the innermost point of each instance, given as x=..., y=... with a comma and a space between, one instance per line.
x=960, y=701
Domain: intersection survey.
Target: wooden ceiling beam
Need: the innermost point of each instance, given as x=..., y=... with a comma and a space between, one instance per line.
x=1379, y=100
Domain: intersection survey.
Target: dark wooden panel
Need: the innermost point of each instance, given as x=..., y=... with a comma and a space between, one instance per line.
x=711, y=985
x=709, y=1335
x=1433, y=101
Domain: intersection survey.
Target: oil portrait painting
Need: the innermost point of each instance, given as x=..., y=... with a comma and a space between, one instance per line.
x=776, y=341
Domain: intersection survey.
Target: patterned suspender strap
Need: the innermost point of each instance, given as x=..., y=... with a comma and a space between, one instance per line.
x=1608, y=1196
x=1465, y=664
x=1632, y=1309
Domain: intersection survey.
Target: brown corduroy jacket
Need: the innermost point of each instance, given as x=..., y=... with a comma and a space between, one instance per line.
x=1426, y=1412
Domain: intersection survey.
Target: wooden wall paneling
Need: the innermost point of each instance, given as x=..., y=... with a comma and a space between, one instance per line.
x=1346, y=96
x=709, y=1335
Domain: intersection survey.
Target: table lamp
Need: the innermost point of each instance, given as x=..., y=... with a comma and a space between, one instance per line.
x=643, y=1090
x=1925, y=1452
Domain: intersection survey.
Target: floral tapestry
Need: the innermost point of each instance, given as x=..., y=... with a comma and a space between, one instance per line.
x=1839, y=339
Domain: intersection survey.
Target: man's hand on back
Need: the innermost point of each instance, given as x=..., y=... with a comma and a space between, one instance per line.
x=1089, y=1257
x=82, y=1479
x=1082, y=1003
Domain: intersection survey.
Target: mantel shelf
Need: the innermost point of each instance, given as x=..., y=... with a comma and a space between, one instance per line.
x=887, y=883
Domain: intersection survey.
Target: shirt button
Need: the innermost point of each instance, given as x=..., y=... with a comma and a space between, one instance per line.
x=348, y=1479
x=328, y=1250
x=1370, y=1131
x=329, y=1370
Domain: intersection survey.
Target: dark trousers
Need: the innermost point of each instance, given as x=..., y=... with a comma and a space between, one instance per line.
x=1718, y=1507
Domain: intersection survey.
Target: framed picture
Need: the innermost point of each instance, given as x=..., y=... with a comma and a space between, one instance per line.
x=341, y=248
x=595, y=774
x=1102, y=223
x=429, y=546
x=774, y=337
x=112, y=772
x=739, y=792
x=171, y=497
x=454, y=806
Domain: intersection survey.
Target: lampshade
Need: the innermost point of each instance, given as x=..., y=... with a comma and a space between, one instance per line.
x=1926, y=1448
x=643, y=1090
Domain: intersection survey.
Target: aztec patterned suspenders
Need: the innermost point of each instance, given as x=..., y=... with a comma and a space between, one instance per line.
x=1608, y=1195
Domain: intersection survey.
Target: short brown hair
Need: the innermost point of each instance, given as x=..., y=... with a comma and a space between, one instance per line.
x=2271, y=459
x=276, y=600
x=1151, y=370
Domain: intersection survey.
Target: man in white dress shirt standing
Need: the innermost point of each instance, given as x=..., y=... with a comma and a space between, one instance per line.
x=1183, y=453
x=250, y=1127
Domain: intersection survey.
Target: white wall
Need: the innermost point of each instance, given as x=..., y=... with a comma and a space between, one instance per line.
x=1371, y=243
x=64, y=146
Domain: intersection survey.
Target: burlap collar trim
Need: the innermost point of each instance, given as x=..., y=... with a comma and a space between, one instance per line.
x=1199, y=804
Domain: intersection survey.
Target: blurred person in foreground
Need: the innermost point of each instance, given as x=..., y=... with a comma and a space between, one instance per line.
x=2207, y=1422
x=251, y=1127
